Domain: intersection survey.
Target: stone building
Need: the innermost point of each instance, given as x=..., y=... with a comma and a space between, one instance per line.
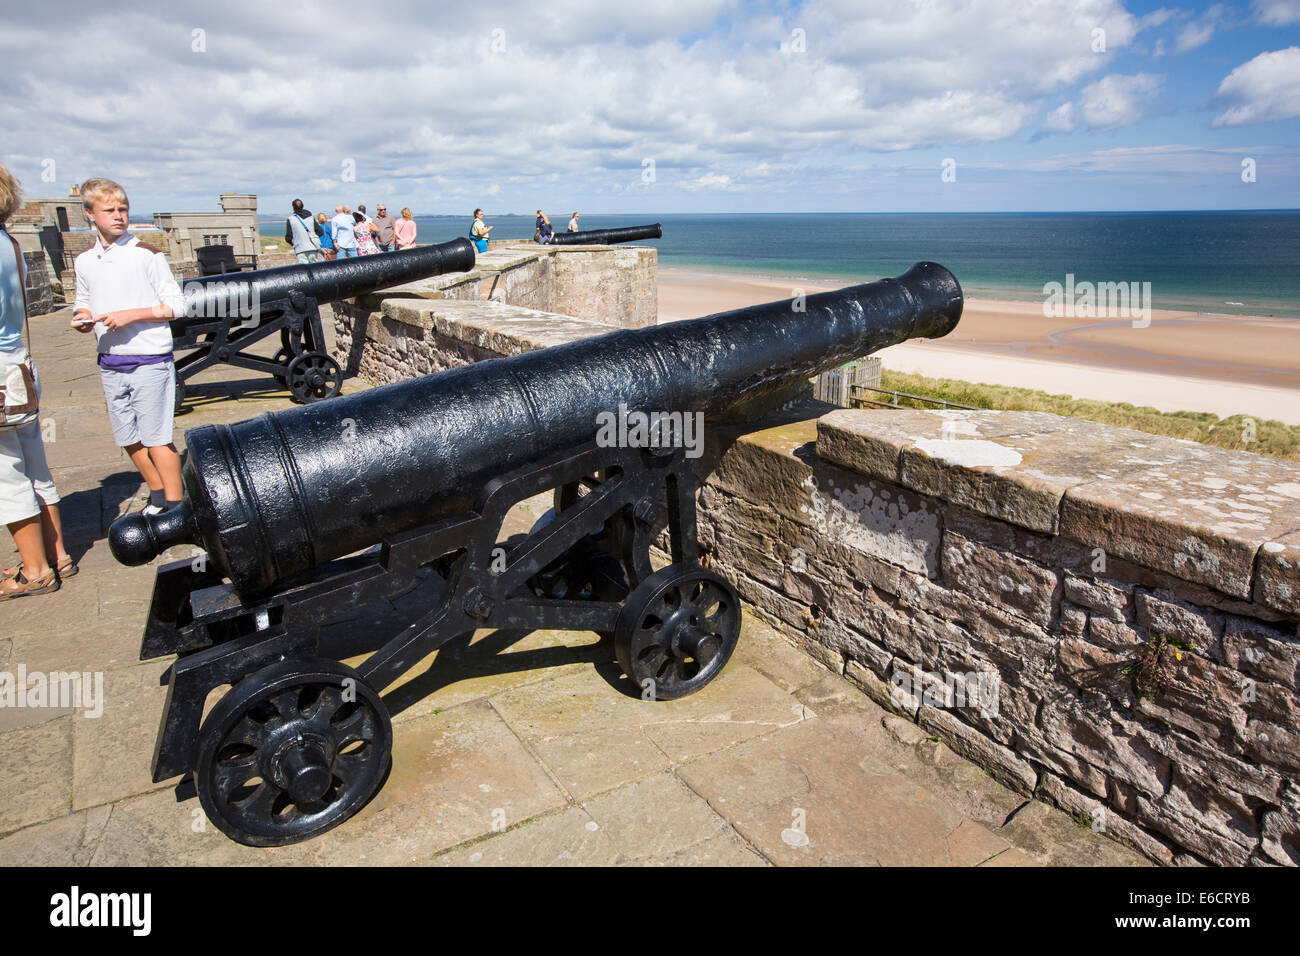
x=235, y=225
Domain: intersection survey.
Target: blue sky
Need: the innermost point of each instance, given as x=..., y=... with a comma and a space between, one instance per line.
x=679, y=106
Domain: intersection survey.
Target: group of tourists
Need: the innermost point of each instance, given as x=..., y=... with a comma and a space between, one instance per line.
x=542, y=234
x=348, y=233
x=351, y=233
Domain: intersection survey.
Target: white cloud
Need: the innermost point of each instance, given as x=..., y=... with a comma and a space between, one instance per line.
x=711, y=181
x=1276, y=12
x=1063, y=119
x=1263, y=90
x=1172, y=159
x=1157, y=18
x=1199, y=31
x=573, y=97
x=1112, y=102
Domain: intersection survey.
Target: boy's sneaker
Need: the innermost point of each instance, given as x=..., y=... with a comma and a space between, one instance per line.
x=152, y=510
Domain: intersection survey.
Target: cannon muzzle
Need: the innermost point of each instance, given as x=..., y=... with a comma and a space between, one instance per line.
x=607, y=237
x=286, y=491
x=239, y=293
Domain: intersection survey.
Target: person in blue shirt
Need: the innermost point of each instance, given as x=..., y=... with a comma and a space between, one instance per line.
x=28, y=498
x=478, y=231
x=327, y=235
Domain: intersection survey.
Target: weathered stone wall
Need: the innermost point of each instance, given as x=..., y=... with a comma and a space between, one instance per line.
x=1101, y=618
x=40, y=297
x=540, y=288
x=1109, y=623
x=616, y=285
x=408, y=337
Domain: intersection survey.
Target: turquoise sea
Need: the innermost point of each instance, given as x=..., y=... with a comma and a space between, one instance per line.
x=1246, y=263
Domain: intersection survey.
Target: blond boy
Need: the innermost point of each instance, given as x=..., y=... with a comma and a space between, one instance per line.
x=126, y=293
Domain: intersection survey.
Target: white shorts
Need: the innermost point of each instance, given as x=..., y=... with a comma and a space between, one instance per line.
x=25, y=480
x=141, y=403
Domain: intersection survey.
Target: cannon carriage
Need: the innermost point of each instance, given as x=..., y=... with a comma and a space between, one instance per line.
x=299, y=524
x=226, y=314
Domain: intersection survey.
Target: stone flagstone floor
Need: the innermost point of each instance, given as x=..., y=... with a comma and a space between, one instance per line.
x=509, y=749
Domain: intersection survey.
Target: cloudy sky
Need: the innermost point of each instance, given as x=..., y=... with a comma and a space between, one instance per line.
x=662, y=106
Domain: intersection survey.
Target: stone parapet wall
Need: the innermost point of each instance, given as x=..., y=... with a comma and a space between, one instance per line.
x=1109, y=622
x=408, y=337
x=610, y=285
x=1101, y=618
x=37, y=289
x=617, y=285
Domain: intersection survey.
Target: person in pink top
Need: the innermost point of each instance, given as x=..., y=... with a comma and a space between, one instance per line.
x=404, y=230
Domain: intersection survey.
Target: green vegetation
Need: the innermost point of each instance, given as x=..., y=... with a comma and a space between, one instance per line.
x=279, y=244
x=1153, y=669
x=1238, y=433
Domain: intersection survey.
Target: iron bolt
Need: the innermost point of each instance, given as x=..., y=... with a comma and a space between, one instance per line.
x=645, y=511
x=477, y=604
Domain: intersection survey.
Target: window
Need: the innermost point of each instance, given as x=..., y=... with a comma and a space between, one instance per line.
x=211, y=239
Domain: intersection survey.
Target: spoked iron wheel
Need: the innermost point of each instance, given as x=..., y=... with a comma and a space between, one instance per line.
x=286, y=353
x=282, y=358
x=292, y=751
x=314, y=377
x=677, y=631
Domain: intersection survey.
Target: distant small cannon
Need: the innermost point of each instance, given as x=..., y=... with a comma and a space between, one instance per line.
x=423, y=473
x=225, y=314
x=607, y=237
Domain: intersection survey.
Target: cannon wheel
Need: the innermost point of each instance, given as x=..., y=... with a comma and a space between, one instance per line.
x=313, y=377
x=677, y=630
x=282, y=358
x=291, y=751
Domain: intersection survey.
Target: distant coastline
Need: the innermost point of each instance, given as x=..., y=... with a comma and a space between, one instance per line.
x=1229, y=263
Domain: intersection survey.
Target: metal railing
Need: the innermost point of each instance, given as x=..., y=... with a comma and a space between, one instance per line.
x=855, y=395
x=836, y=386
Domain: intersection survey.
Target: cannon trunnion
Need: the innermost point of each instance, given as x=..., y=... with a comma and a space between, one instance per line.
x=225, y=314
x=300, y=742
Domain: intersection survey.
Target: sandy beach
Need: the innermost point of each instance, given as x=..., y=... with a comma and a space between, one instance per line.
x=1226, y=364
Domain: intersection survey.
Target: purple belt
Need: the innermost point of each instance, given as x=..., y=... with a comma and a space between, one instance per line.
x=129, y=363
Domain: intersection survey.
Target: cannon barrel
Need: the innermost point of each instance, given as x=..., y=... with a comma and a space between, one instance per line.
x=238, y=293
x=286, y=491
x=607, y=237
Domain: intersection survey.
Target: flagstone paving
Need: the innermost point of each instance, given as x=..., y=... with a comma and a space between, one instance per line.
x=509, y=749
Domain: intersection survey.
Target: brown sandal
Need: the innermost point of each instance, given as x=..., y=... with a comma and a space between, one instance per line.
x=19, y=586
x=67, y=568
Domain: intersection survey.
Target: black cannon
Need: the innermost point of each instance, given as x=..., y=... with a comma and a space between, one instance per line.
x=422, y=473
x=607, y=237
x=225, y=314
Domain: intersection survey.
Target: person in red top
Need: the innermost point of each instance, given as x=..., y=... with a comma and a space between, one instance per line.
x=404, y=230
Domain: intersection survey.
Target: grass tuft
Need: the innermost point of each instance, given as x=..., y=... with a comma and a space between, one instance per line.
x=1236, y=433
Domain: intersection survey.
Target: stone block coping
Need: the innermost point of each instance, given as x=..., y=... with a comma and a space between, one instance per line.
x=1226, y=519
x=495, y=326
